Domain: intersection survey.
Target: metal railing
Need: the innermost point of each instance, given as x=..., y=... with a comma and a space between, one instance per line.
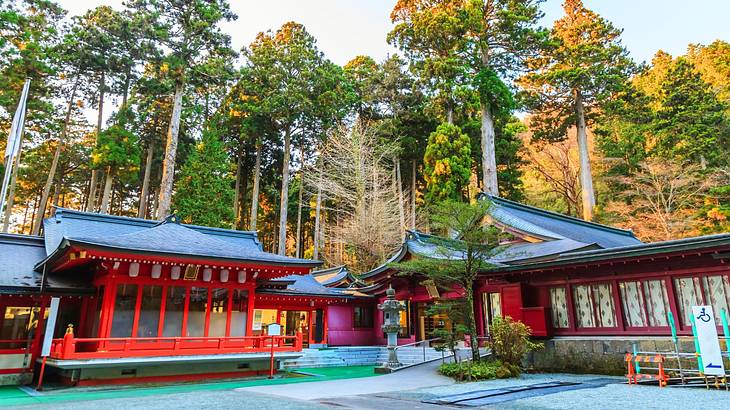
x=424, y=344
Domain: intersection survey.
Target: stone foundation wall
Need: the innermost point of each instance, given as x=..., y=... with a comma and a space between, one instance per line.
x=604, y=355
x=14, y=379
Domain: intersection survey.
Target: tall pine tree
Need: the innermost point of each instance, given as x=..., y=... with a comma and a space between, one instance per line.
x=572, y=78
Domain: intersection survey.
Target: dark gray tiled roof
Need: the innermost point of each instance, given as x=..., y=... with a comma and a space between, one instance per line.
x=304, y=285
x=552, y=225
x=170, y=237
x=18, y=256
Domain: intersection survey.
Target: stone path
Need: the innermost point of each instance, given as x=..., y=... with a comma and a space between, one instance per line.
x=418, y=377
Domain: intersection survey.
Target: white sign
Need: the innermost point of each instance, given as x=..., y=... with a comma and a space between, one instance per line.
x=274, y=329
x=706, y=329
x=50, y=327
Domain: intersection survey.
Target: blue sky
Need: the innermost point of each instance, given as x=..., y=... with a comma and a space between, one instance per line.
x=346, y=28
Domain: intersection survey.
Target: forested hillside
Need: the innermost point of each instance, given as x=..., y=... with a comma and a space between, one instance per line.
x=336, y=162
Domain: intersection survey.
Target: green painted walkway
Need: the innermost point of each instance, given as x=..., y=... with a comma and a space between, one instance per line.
x=13, y=396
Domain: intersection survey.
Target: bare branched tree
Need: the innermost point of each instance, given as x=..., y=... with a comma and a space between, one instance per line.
x=357, y=179
x=662, y=198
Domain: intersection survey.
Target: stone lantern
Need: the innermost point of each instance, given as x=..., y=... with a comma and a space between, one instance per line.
x=391, y=326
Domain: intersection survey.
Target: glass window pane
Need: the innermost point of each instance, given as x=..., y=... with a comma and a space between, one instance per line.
x=688, y=293
x=559, y=307
x=149, y=314
x=657, y=302
x=196, y=312
x=19, y=323
x=716, y=294
x=174, y=307
x=239, y=312
x=495, y=304
x=218, y=312
x=632, y=301
x=124, y=305
x=583, y=306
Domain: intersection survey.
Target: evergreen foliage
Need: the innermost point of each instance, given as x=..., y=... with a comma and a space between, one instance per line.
x=447, y=164
x=204, y=192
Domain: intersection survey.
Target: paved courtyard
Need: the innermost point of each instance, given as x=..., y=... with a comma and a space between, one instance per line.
x=357, y=388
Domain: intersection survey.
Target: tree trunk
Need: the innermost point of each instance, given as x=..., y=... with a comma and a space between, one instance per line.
x=244, y=193
x=54, y=164
x=299, y=204
x=472, y=323
x=489, y=161
x=401, y=205
x=168, y=166
x=255, y=188
x=317, y=213
x=106, y=196
x=413, y=194
x=11, y=189
x=284, y=200
x=127, y=80
x=142, y=211
x=237, y=193
x=91, y=201
x=586, y=180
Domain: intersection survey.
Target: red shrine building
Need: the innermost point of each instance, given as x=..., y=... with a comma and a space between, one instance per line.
x=145, y=300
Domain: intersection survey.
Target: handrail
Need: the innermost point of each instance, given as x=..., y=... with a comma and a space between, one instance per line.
x=417, y=343
x=117, y=347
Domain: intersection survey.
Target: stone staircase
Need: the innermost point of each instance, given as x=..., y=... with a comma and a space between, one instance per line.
x=358, y=356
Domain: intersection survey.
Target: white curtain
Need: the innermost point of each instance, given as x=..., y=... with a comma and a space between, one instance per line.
x=717, y=289
x=632, y=301
x=603, y=299
x=657, y=302
x=559, y=308
x=688, y=290
x=583, y=306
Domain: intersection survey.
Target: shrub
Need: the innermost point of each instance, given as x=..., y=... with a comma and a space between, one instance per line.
x=510, y=341
x=483, y=370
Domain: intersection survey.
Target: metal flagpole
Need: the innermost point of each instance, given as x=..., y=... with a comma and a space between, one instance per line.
x=13, y=145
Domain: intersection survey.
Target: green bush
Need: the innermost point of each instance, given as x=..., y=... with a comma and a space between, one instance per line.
x=510, y=341
x=483, y=370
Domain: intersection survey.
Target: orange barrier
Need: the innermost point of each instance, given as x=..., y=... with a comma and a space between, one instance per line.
x=634, y=377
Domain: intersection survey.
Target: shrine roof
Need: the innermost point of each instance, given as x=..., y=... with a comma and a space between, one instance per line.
x=67, y=227
x=305, y=285
x=548, y=225
x=335, y=277
x=18, y=256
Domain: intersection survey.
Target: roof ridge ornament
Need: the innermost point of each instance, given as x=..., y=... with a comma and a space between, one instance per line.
x=172, y=218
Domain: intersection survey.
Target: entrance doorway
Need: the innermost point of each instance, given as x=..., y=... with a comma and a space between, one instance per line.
x=293, y=321
x=428, y=324
x=491, y=308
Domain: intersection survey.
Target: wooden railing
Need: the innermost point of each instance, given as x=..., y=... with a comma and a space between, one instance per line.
x=70, y=347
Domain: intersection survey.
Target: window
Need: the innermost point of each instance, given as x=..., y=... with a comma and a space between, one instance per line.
x=124, y=310
x=689, y=293
x=218, y=312
x=19, y=323
x=239, y=313
x=711, y=290
x=645, y=303
x=559, y=308
x=362, y=317
x=405, y=325
x=594, y=306
x=149, y=314
x=717, y=290
x=174, y=307
x=261, y=319
x=197, y=308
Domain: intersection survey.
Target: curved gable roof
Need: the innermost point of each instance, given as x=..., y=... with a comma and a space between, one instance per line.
x=550, y=225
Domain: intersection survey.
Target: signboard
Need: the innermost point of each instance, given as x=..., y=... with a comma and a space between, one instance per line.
x=274, y=329
x=50, y=327
x=706, y=331
x=191, y=272
x=257, y=318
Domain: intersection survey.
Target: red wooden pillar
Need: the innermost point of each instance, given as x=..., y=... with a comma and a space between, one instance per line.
x=249, y=309
x=163, y=307
x=137, y=309
x=184, y=330
x=618, y=307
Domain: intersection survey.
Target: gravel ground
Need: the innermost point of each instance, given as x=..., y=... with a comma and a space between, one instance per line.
x=219, y=400
x=606, y=397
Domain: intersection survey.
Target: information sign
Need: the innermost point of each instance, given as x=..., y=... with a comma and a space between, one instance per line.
x=706, y=330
